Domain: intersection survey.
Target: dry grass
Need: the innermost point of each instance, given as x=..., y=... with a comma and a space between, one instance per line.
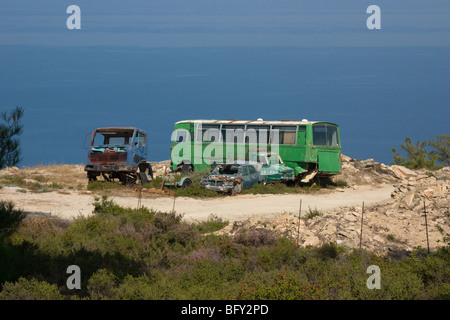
x=52, y=176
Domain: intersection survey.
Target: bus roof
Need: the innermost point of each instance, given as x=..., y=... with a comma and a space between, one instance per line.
x=259, y=121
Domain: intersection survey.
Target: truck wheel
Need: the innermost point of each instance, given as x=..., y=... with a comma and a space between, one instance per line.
x=143, y=177
x=91, y=177
x=128, y=179
x=145, y=172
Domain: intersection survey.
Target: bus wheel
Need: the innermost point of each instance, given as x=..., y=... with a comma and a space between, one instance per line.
x=299, y=180
x=187, y=168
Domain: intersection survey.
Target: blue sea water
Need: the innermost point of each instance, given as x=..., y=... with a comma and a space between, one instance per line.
x=378, y=96
x=152, y=63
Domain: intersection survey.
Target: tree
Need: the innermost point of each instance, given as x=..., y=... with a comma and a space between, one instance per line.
x=441, y=148
x=417, y=156
x=9, y=143
x=10, y=218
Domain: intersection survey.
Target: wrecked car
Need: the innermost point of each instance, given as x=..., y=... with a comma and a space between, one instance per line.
x=232, y=178
x=271, y=168
x=119, y=153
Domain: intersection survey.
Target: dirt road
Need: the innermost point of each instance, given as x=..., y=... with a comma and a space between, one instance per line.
x=71, y=204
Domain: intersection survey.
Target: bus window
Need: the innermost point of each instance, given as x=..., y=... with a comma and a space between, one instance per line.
x=283, y=134
x=180, y=135
x=301, y=136
x=258, y=133
x=332, y=136
x=209, y=133
x=233, y=133
x=325, y=135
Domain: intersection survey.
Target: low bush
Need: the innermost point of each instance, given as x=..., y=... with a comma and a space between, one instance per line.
x=271, y=188
x=10, y=218
x=126, y=253
x=312, y=213
x=212, y=224
x=31, y=289
x=104, y=186
x=197, y=191
x=255, y=237
x=341, y=183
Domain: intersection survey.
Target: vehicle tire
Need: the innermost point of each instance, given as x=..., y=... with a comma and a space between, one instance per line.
x=143, y=177
x=187, y=168
x=237, y=188
x=290, y=183
x=128, y=179
x=186, y=183
x=91, y=177
x=145, y=172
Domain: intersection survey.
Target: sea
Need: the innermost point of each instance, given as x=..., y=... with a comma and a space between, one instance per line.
x=151, y=64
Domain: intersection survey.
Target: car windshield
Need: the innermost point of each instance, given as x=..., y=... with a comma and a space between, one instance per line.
x=231, y=169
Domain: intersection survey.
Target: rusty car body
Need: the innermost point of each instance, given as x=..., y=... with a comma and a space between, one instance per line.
x=271, y=168
x=231, y=178
x=119, y=153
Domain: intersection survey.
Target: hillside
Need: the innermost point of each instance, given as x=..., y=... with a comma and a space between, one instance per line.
x=393, y=196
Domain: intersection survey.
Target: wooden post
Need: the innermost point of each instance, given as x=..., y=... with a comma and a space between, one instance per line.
x=164, y=178
x=173, y=207
x=426, y=226
x=299, y=220
x=139, y=197
x=362, y=219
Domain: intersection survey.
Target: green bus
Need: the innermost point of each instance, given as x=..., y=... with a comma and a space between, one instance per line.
x=311, y=148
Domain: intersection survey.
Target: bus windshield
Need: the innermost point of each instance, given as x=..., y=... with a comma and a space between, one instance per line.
x=325, y=135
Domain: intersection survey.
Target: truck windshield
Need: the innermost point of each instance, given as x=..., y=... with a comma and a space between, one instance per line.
x=112, y=137
x=325, y=135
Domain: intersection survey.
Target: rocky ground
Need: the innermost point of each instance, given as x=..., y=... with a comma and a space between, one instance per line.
x=417, y=214
x=392, y=226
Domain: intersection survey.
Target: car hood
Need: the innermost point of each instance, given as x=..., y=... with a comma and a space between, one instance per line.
x=280, y=168
x=220, y=177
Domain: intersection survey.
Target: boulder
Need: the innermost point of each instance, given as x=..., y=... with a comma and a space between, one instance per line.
x=403, y=172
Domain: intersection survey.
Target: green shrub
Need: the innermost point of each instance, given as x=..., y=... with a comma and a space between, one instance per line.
x=271, y=188
x=104, y=186
x=141, y=288
x=341, y=183
x=13, y=180
x=10, y=218
x=102, y=285
x=312, y=213
x=271, y=285
x=197, y=191
x=155, y=183
x=255, y=237
x=129, y=253
x=326, y=251
x=31, y=289
x=212, y=224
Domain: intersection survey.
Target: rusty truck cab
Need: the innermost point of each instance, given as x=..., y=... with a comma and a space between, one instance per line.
x=119, y=152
